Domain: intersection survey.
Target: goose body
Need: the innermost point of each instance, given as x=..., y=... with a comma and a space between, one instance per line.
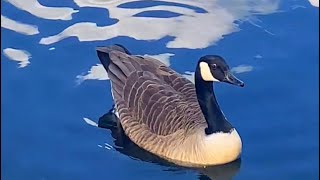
x=164, y=113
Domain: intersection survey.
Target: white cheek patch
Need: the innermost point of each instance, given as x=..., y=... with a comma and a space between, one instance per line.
x=206, y=73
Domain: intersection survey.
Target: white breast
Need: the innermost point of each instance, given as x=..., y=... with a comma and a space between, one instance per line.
x=220, y=148
x=200, y=149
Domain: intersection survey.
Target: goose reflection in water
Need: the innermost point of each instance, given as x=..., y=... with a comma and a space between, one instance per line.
x=125, y=146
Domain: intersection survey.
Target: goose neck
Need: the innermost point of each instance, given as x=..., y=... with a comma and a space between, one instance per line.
x=209, y=106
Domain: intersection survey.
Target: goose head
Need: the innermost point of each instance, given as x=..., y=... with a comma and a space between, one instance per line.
x=213, y=68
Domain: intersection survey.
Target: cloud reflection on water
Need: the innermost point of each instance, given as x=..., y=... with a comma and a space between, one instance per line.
x=191, y=29
x=19, y=27
x=19, y=55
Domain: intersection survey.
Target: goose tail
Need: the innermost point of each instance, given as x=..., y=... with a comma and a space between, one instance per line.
x=116, y=59
x=103, y=53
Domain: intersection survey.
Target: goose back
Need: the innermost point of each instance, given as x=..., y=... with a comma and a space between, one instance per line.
x=157, y=107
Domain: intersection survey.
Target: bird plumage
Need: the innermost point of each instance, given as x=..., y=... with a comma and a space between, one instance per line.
x=158, y=109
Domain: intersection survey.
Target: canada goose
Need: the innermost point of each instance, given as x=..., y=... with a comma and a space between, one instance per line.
x=166, y=114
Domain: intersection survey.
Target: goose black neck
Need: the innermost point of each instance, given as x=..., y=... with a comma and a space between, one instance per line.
x=210, y=108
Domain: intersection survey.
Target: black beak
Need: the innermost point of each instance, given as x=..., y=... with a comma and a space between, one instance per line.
x=231, y=79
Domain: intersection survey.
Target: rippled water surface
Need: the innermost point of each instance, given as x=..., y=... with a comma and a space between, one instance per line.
x=53, y=85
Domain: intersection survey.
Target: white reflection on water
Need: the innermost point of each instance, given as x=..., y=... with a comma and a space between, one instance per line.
x=314, y=3
x=18, y=26
x=37, y=9
x=191, y=29
x=198, y=24
x=90, y=122
x=96, y=72
x=242, y=69
x=19, y=55
x=164, y=58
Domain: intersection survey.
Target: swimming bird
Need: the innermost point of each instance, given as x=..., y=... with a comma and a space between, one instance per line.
x=166, y=114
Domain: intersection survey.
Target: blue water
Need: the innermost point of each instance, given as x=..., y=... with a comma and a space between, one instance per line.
x=44, y=136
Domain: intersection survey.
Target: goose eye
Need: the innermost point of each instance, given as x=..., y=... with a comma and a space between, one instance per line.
x=214, y=66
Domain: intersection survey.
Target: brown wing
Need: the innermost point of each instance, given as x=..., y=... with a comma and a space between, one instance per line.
x=151, y=97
